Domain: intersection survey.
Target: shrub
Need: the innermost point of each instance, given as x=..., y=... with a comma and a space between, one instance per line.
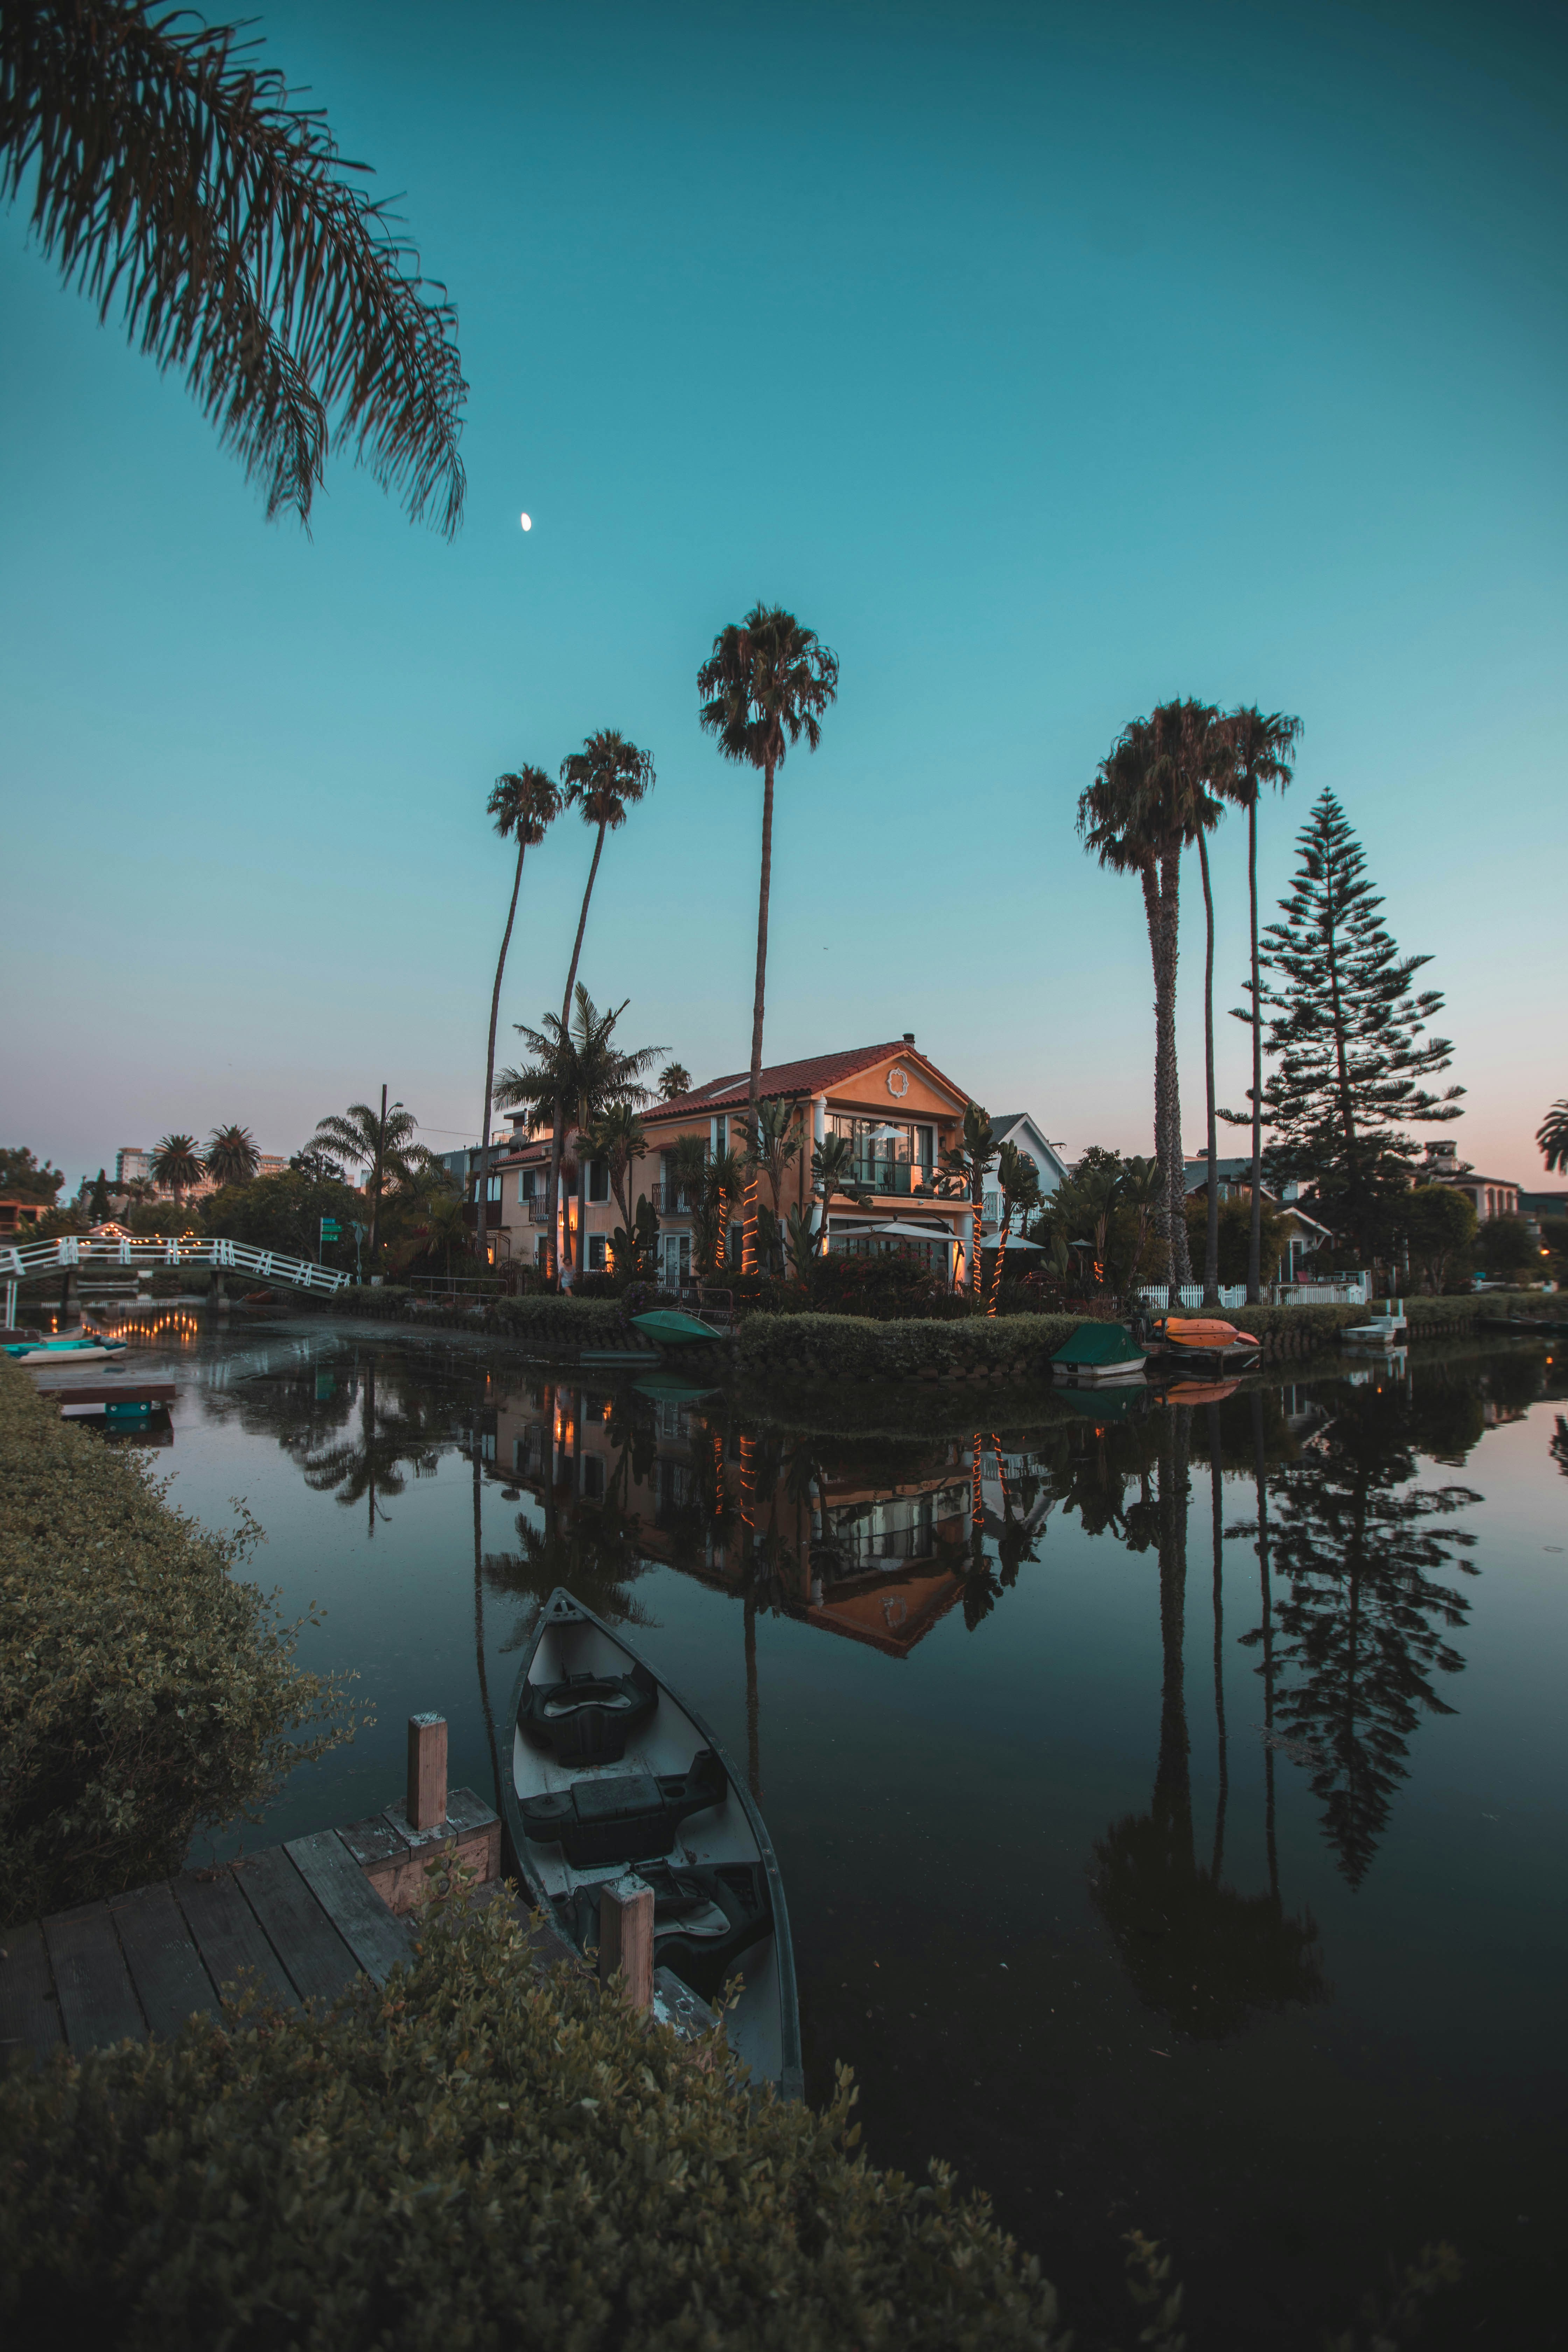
x=477, y=2154
x=861, y=1348
x=144, y=1691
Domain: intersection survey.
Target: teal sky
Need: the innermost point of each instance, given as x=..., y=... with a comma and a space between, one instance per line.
x=1048, y=361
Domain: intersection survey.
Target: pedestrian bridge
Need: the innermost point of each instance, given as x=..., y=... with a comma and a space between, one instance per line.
x=70, y=1253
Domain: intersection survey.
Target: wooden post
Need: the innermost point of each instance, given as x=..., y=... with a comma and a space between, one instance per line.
x=426, y=1771
x=626, y=1937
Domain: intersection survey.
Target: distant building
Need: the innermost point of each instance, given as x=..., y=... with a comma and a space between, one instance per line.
x=1493, y=1196
x=1304, y=1236
x=17, y=1214
x=132, y=1163
x=1016, y=1127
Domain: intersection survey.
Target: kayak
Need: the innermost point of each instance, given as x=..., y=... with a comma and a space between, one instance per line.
x=95, y=1350
x=611, y=1773
x=1203, y=1339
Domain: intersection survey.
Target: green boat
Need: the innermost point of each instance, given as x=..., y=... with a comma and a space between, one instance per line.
x=1097, y=1354
x=667, y=1329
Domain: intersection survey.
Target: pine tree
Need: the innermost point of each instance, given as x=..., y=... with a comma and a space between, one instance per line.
x=100, y=1208
x=1348, y=1034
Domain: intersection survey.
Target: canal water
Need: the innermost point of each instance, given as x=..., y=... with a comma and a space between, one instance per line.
x=1171, y=1799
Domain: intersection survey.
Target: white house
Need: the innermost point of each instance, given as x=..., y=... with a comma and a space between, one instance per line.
x=1016, y=1127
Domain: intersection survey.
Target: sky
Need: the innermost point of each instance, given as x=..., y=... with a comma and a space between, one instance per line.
x=1048, y=361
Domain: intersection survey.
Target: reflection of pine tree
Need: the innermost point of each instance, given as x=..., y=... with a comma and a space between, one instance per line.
x=1559, y=1448
x=1362, y=1632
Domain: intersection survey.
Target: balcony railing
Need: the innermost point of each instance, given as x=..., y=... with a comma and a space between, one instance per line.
x=895, y=1176
x=670, y=1200
x=537, y=1207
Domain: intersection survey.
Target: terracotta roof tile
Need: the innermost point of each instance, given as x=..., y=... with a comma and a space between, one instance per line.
x=817, y=1076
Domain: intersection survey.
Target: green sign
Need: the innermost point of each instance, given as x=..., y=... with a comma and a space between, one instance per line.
x=331, y=1229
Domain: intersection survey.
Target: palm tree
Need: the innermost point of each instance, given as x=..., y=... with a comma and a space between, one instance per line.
x=1261, y=754
x=618, y=1137
x=385, y=1145
x=1194, y=768
x=176, y=1164
x=523, y=806
x=832, y=1175
x=1140, y=1190
x=576, y=1074
x=167, y=174
x=674, y=1079
x=1139, y=814
x=1018, y=1182
x=765, y=684
x=1553, y=1136
x=723, y=1180
x=963, y=1169
x=608, y=776
x=231, y=1155
x=774, y=1142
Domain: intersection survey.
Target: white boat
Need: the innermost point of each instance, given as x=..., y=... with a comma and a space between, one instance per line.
x=94, y=1348
x=1388, y=1330
x=611, y=1772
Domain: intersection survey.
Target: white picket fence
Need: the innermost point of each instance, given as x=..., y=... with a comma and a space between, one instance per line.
x=68, y=1250
x=1354, y=1291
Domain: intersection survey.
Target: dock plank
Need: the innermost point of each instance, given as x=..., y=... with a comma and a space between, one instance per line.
x=378, y=1941
x=30, y=2023
x=166, y=1968
x=231, y=1942
x=319, y=1964
x=374, y=1840
x=97, y=2002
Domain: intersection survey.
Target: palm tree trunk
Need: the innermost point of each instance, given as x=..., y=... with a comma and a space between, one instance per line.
x=1003, y=1221
x=749, y=1235
x=1211, y=1234
x=480, y=1192
x=1172, y=1805
x=1260, y=1482
x=977, y=1196
x=553, y=1182
x=1163, y=1199
x=479, y=1614
x=1255, y=1220
x=1167, y=1091
x=375, y=1170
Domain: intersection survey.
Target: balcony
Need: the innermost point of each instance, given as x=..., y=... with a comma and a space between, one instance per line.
x=667, y=1200
x=537, y=1207
x=898, y=1178
x=492, y=1213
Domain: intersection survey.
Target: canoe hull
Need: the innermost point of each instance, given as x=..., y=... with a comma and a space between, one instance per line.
x=725, y=1833
x=68, y=1351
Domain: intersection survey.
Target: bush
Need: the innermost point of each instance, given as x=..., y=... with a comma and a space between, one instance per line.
x=846, y=1347
x=144, y=1691
x=476, y=2154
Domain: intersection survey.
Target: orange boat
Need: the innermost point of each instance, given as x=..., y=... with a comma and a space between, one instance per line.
x=1203, y=1339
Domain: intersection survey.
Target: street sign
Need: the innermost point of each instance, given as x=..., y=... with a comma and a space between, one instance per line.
x=331, y=1229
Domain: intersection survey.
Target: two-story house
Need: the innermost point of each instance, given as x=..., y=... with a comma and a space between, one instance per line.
x=895, y=1109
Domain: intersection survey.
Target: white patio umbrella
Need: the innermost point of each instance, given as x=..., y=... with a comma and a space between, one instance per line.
x=903, y=1230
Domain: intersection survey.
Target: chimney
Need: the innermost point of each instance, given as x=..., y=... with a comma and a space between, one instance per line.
x=908, y=1037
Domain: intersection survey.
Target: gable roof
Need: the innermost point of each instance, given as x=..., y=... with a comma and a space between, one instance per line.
x=819, y=1075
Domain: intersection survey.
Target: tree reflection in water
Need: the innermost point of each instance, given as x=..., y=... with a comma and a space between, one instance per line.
x=590, y=1545
x=366, y=1465
x=1197, y=1951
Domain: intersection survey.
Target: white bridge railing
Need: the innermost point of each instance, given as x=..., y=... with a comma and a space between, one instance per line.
x=68, y=1250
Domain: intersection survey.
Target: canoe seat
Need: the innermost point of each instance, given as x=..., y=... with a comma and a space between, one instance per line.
x=586, y=1719
x=625, y=1816
x=705, y=1915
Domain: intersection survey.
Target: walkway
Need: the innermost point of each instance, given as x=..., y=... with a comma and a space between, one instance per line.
x=70, y=1252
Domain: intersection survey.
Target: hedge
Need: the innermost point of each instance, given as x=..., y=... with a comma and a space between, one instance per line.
x=144, y=1691
x=477, y=2154
x=542, y=1322
x=855, y=1347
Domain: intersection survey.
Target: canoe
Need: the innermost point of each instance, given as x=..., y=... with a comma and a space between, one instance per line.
x=668, y=1329
x=1203, y=1339
x=612, y=1773
x=1098, y=1355
x=95, y=1350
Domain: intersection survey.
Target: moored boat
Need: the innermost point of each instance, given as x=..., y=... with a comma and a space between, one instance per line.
x=666, y=1327
x=1205, y=1339
x=611, y=1773
x=93, y=1348
x=1098, y=1355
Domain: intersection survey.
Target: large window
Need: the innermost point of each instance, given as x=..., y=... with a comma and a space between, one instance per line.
x=890, y=1155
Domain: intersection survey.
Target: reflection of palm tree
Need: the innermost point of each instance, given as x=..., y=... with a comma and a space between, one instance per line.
x=1217, y=1517
x=479, y=1617
x=1559, y=1447
x=1195, y=1949
x=369, y=1467
x=593, y=1549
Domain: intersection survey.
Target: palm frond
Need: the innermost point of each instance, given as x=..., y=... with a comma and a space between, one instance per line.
x=173, y=178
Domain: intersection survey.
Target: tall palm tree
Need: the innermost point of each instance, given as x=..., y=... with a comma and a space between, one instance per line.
x=1261, y=754
x=176, y=1164
x=171, y=178
x=766, y=684
x=1553, y=1136
x=1194, y=768
x=576, y=1074
x=608, y=776
x=523, y=806
x=231, y=1155
x=382, y=1144
x=1137, y=817
x=674, y=1079
x=963, y=1173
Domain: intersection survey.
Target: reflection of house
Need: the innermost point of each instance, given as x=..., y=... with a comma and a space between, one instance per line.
x=878, y=1559
x=895, y=1108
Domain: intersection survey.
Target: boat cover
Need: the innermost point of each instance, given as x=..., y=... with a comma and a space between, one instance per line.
x=1099, y=1343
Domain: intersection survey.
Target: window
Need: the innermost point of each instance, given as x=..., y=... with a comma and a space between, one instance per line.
x=595, y=1253
x=592, y=1467
x=597, y=1184
x=526, y=1183
x=492, y=1188
x=992, y=1206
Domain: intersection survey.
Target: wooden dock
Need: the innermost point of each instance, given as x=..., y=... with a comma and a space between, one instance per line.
x=300, y=1921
